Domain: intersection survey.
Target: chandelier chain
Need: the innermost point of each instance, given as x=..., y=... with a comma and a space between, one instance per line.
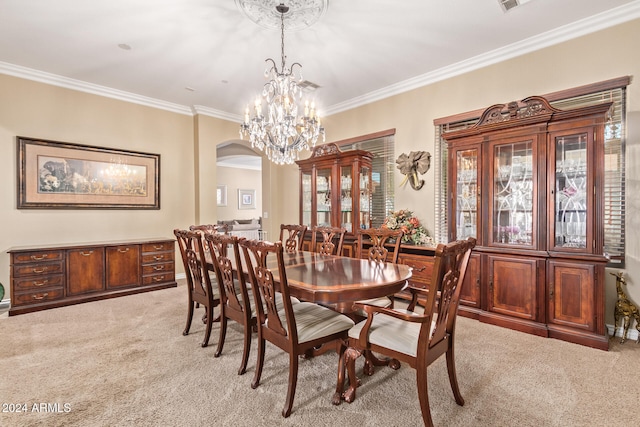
x=282, y=38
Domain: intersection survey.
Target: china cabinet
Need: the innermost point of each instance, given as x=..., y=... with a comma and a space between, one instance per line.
x=527, y=182
x=335, y=188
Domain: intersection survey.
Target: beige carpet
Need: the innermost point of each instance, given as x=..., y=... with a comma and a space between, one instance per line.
x=124, y=362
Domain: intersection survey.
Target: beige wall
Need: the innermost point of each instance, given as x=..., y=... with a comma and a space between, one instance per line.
x=239, y=179
x=600, y=56
x=187, y=144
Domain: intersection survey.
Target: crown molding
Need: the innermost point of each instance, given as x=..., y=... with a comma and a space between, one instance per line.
x=577, y=29
x=586, y=26
x=211, y=112
x=81, y=86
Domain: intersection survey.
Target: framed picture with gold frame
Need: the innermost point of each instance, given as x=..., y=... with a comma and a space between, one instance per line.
x=61, y=175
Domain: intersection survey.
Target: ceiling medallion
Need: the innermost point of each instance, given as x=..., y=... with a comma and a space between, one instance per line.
x=301, y=14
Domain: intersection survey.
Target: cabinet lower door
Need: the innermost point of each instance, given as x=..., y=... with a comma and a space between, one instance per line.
x=513, y=288
x=85, y=269
x=470, y=292
x=571, y=295
x=123, y=266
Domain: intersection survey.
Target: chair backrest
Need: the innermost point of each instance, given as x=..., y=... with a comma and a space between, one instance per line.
x=332, y=240
x=235, y=296
x=292, y=236
x=381, y=248
x=258, y=255
x=449, y=268
x=194, y=259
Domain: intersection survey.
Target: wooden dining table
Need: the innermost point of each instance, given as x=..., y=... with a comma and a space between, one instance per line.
x=337, y=280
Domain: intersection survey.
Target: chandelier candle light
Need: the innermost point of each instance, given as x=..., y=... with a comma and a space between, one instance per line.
x=282, y=134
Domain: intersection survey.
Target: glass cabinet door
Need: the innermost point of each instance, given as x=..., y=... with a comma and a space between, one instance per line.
x=366, y=196
x=323, y=197
x=467, y=203
x=307, y=199
x=346, y=198
x=571, y=202
x=513, y=201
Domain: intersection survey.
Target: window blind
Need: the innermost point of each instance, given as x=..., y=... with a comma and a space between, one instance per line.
x=383, y=165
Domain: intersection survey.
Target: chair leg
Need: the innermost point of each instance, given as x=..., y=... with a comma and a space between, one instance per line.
x=259, y=361
x=246, y=350
x=423, y=395
x=189, y=319
x=350, y=356
x=453, y=377
x=293, y=381
x=342, y=367
x=223, y=334
x=207, y=334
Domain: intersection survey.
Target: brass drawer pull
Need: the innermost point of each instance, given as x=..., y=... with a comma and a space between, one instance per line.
x=39, y=270
x=158, y=267
x=418, y=270
x=44, y=282
x=158, y=279
x=39, y=297
x=158, y=257
x=86, y=253
x=158, y=247
x=38, y=257
x=123, y=251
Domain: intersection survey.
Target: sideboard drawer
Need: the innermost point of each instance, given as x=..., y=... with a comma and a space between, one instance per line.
x=157, y=268
x=158, y=278
x=38, y=256
x=158, y=246
x=21, y=270
x=157, y=257
x=422, y=267
x=37, y=297
x=33, y=283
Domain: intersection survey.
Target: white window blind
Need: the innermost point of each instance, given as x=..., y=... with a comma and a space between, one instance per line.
x=383, y=165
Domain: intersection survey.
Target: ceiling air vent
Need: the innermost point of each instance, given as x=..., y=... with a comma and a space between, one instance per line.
x=507, y=5
x=308, y=86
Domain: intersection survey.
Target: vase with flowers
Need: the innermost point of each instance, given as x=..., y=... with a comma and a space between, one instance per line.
x=414, y=232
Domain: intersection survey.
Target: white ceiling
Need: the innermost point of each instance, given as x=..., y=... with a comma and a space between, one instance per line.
x=359, y=51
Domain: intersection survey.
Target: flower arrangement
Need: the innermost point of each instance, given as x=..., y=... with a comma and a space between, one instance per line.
x=404, y=220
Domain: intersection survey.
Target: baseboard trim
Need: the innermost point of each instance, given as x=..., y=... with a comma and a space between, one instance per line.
x=632, y=334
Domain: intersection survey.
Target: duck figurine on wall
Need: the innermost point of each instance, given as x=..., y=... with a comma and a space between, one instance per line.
x=411, y=164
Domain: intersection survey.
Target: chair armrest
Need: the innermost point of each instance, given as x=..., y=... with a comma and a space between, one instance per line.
x=415, y=294
x=371, y=310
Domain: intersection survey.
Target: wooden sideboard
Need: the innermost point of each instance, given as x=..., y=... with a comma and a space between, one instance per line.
x=44, y=277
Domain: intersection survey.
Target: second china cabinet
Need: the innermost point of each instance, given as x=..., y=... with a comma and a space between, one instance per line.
x=527, y=182
x=335, y=188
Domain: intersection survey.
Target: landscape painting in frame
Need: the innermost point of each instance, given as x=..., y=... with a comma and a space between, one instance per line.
x=60, y=175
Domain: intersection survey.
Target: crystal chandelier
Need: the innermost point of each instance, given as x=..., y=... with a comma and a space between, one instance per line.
x=286, y=129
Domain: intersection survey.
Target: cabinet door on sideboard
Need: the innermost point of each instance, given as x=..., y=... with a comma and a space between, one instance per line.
x=123, y=266
x=85, y=270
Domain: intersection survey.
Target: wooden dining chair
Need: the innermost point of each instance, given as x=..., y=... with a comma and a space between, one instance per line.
x=417, y=339
x=199, y=285
x=295, y=328
x=383, y=245
x=331, y=240
x=292, y=236
x=235, y=297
